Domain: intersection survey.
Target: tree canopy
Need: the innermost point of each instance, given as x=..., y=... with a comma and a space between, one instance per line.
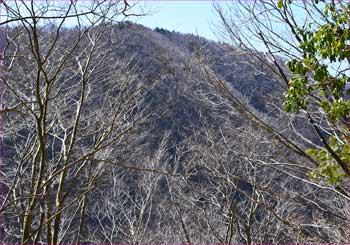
x=316, y=85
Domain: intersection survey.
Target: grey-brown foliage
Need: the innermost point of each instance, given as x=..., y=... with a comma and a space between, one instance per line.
x=115, y=133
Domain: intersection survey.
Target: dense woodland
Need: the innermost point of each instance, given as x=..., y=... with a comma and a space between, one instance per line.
x=116, y=133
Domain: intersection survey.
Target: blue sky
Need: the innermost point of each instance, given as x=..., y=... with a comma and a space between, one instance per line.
x=195, y=17
x=186, y=16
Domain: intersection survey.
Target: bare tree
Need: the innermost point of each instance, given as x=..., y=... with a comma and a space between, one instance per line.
x=80, y=164
x=68, y=106
x=264, y=36
x=236, y=189
x=127, y=212
x=275, y=32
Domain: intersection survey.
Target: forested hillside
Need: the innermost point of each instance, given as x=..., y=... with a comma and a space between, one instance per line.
x=116, y=133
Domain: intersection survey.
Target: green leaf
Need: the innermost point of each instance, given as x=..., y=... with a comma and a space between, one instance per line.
x=280, y=4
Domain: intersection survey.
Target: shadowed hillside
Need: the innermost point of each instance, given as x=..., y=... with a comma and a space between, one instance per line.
x=160, y=137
